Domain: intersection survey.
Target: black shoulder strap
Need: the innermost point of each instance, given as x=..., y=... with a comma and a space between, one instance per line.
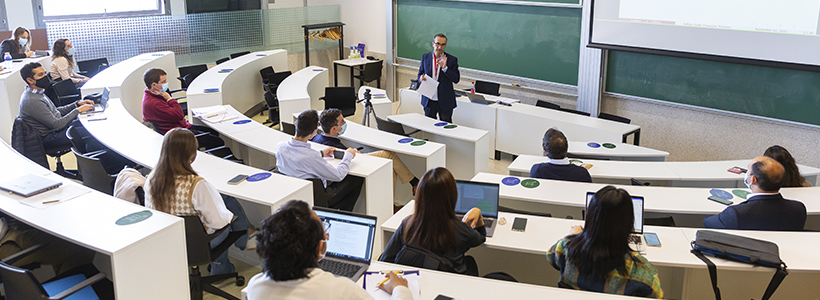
x=775, y=282
x=713, y=273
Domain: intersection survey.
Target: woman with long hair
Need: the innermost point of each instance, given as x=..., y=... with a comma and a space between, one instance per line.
x=597, y=257
x=793, y=177
x=62, y=63
x=434, y=226
x=174, y=187
x=19, y=45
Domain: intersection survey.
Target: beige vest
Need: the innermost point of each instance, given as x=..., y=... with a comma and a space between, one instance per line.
x=182, y=204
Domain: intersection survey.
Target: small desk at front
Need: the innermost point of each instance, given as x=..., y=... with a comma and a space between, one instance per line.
x=682, y=275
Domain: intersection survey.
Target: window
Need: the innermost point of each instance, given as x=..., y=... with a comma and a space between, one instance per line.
x=47, y=10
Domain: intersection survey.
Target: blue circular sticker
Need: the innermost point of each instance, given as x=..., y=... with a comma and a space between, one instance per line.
x=721, y=194
x=440, y=123
x=258, y=177
x=240, y=122
x=261, y=55
x=593, y=145
x=510, y=181
x=405, y=140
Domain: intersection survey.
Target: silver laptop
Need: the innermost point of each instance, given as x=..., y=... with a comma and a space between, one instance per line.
x=39, y=53
x=351, y=242
x=98, y=108
x=636, y=239
x=482, y=195
x=476, y=98
x=29, y=185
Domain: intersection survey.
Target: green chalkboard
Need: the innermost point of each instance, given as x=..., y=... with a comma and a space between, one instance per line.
x=764, y=91
x=528, y=41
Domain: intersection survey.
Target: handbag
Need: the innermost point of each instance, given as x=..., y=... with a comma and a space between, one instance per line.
x=741, y=249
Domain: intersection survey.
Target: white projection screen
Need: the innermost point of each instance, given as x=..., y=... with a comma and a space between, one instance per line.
x=782, y=31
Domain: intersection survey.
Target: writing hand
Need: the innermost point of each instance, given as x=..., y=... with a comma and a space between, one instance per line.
x=393, y=281
x=328, y=152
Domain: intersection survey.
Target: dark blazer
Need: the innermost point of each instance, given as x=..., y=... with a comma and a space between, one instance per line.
x=446, y=95
x=568, y=172
x=762, y=212
x=329, y=141
x=13, y=47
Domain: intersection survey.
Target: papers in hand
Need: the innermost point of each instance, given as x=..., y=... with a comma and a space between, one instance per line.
x=428, y=87
x=214, y=114
x=372, y=280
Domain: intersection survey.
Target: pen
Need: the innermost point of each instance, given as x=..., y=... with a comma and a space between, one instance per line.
x=98, y=119
x=51, y=201
x=386, y=279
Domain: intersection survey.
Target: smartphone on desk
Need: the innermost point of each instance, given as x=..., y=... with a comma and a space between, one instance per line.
x=338, y=154
x=720, y=200
x=519, y=224
x=652, y=239
x=237, y=179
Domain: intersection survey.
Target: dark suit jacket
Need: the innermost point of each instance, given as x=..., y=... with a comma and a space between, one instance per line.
x=329, y=141
x=762, y=212
x=568, y=172
x=12, y=47
x=446, y=95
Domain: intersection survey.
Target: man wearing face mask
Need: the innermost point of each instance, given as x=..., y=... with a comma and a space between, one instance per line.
x=39, y=112
x=334, y=125
x=765, y=208
x=443, y=68
x=296, y=158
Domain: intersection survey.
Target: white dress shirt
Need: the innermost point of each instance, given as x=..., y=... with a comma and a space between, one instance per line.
x=206, y=200
x=319, y=285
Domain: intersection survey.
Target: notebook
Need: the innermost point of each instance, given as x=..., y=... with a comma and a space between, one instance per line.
x=350, y=245
x=636, y=239
x=478, y=194
x=103, y=102
x=29, y=185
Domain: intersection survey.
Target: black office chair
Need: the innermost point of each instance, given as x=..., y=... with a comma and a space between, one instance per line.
x=489, y=88
x=343, y=98
x=577, y=112
x=265, y=73
x=200, y=253
x=93, y=172
x=545, y=104
x=422, y=258
x=273, y=109
x=187, y=74
x=84, y=143
x=392, y=127
x=238, y=54
x=222, y=60
x=65, y=92
x=288, y=128
x=91, y=67
x=370, y=72
x=615, y=118
x=275, y=79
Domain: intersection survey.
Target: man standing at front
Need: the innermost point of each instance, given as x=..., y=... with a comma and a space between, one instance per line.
x=443, y=68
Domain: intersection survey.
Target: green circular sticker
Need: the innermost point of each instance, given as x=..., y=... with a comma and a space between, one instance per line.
x=134, y=218
x=741, y=193
x=530, y=183
x=608, y=145
x=418, y=143
x=573, y=161
x=451, y=126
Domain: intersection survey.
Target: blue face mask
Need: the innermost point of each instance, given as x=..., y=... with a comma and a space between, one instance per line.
x=22, y=42
x=164, y=87
x=344, y=127
x=71, y=51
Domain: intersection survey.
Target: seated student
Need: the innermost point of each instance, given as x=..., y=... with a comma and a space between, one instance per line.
x=174, y=187
x=19, y=45
x=765, y=208
x=597, y=257
x=793, y=177
x=62, y=63
x=290, y=243
x=334, y=125
x=434, y=225
x=558, y=168
x=40, y=113
x=296, y=158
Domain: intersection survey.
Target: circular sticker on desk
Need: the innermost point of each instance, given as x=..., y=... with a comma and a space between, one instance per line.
x=261, y=55
x=450, y=126
x=721, y=194
x=134, y=218
x=405, y=140
x=258, y=177
x=240, y=122
x=418, y=143
x=379, y=95
x=530, y=183
x=741, y=193
x=593, y=145
x=510, y=181
x=575, y=161
x=318, y=70
x=439, y=124
x=609, y=145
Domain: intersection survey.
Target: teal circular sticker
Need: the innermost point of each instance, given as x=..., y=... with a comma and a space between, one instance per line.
x=609, y=145
x=573, y=161
x=530, y=183
x=134, y=217
x=450, y=126
x=418, y=143
x=741, y=193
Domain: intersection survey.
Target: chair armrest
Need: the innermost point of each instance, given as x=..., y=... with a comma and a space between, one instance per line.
x=11, y=259
x=180, y=98
x=94, y=279
x=174, y=91
x=82, y=72
x=95, y=154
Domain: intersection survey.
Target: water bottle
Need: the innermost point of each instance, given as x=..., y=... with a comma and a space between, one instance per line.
x=7, y=61
x=352, y=53
x=472, y=88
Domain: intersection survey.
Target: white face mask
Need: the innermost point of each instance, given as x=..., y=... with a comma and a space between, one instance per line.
x=746, y=180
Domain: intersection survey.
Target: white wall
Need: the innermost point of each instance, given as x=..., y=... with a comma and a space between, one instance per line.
x=20, y=13
x=365, y=22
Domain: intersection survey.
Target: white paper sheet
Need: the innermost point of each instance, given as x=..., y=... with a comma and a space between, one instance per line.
x=372, y=279
x=428, y=87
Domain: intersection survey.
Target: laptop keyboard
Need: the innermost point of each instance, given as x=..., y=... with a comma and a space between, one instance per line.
x=339, y=268
x=488, y=223
x=635, y=239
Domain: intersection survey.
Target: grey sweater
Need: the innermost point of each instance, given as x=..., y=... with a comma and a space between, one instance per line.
x=39, y=112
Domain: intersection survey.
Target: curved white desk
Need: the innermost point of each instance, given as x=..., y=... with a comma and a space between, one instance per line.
x=690, y=173
x=301, y=91
x=240, y=87
x=12, y=86
x=127, y=254
x=124, y=79
x=621, y=152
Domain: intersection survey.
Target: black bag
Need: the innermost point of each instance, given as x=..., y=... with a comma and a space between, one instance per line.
x=742, y=249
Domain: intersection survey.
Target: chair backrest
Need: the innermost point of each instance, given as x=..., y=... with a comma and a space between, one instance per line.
x=26, y=140
x=187, y=74
x=93, y=173
x=372, y=71
x=288, y=128
x=343, y=98
x=577, y=112
x=270, y=99
x=79, y=138
x=238, y=54
x=93, y=66
x=222, y=60
x=389, y=126
x=489, y=88
x=198, y=241
x=21, y=284
x=265, y=73
x=65, y=89
x=421, y=258
x=276, y=78
x=615, y=118
x=320, y=195
x=545, y=104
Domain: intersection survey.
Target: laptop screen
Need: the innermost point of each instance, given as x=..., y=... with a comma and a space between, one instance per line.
x=104, y=97
x=637, y=210
x=477, y=194
x=351, y=234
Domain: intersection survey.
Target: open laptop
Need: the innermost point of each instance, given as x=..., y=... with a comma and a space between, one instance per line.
x=636, y=239
x=98, y=108
x=351, y=242
x=29, y=185
x=476, y=98
x=39, y=53
x=482, y=195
